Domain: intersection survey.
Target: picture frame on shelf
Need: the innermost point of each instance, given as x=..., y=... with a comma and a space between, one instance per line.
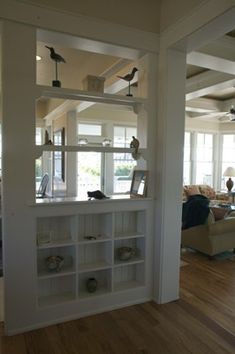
x=139, y=184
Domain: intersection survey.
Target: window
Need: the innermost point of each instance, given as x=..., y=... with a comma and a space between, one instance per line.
x=38, y=167
x=89, y=172
x=123, y=163
x=228, y=155
x=89, y=164
x=187, y=158
x=90, y=129
x=204, y=159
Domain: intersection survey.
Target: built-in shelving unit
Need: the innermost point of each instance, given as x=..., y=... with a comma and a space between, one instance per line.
x=61, y=225
x=89, y=245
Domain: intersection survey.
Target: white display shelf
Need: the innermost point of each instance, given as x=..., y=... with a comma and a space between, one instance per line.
x=55, y=290
x=128, y=235
x=53, y=274
x=127, y=285
x=99, y=292
x=93, y=266
x=61, y=243
x=39, y=149
x=134, y=260
x=131, y=223
x=80, y=95
x=81, y=201
x=127, y=276
x=104, y=282
x=98, y=240
x=96, y=225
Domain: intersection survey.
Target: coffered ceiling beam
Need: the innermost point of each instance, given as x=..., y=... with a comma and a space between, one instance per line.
x=207, y=83
x=223, y=43
x=208, y=116
x=89, y=45
x=203, y=105
x=211, y=62
x=226, y=105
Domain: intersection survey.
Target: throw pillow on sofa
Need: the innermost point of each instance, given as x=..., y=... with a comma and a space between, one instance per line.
x=191, y=190
x=219, y=213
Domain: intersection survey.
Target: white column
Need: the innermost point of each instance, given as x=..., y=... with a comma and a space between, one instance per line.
x=147, y=116
x=170, y=132
x=18, y=130
x=71, y=159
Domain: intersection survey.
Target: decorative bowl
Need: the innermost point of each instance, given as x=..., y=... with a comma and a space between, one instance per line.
x=54, y=263
x=125, y=253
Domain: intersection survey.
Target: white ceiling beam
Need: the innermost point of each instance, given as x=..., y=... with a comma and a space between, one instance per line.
x=203, y=105
x=207, y=77
x=226, y=105
x=208, y=116
x=89, y=45
x=207, y=83
x=209, y=90
x=211, y=62
x=225, y=42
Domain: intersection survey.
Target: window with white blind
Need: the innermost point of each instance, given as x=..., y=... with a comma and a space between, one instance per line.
x=187, y=158
x=204, y=159
x=228, y=156
x=123, y=163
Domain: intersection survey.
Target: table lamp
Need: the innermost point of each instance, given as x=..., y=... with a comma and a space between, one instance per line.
x=229, y=172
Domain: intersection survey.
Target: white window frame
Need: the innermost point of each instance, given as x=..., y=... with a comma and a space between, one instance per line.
x=215, y=159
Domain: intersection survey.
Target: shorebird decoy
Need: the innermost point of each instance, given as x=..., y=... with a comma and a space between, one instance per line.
x=57, y=58
x=135, y=144
x=128, y=78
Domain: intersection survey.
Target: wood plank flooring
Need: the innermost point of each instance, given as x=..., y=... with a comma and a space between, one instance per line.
x=201, y=322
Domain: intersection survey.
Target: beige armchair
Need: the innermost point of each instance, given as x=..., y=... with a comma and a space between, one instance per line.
x=212, y=238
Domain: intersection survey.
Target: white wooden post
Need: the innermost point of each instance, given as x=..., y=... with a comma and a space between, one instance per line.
x=18, y=130
x=147, y=116
x=170, y=137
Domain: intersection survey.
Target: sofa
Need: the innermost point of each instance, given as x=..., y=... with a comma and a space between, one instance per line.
x=211, y=238
x=207, y=191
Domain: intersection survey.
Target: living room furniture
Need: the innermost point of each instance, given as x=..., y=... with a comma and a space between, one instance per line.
x=212, y=238
x=207, y=191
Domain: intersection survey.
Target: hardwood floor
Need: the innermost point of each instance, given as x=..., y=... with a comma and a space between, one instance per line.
x=201, y=322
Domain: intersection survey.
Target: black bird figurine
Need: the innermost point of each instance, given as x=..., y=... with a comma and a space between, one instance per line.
x=97, y=195
x=57, y=58
x=129, y=77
